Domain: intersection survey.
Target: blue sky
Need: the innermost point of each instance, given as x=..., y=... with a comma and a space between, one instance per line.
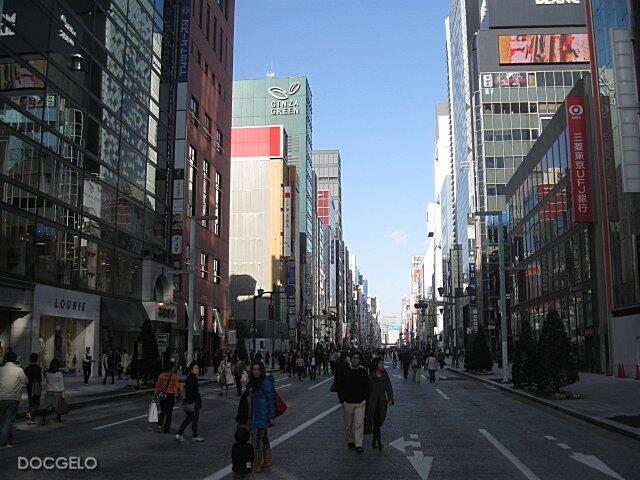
x=376, y=69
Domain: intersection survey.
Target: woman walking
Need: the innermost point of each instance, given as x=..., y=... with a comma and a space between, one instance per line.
x=54, y=392
x=192, y=404
x=258, y=409
x=169, y=385
x=380, y=396
x=227, y=378
x=34, y=387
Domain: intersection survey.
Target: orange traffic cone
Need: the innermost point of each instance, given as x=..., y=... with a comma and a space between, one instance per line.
x=621, y=372
x=637, y=372
x=609, y=370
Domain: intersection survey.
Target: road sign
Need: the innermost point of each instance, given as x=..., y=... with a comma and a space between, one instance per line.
x=162, y=340
x=290, y=290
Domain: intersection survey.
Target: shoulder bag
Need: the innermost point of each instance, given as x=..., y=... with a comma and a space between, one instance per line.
x=162, y=394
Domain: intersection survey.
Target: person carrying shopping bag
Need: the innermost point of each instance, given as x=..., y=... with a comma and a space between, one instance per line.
x=192, y=404
x=226, y=378
x=167, y=386
x=34, y=387
x=54, y=400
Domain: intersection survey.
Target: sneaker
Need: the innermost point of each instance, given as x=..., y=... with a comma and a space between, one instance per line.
x=4, y=447
x=359, y=450
x=179, y=438
x=197, y=439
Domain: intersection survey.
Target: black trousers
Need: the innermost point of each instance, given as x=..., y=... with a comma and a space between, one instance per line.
x=166, y=413
x=86, y=369
x=192, y=417
x=405, y=371
x=106, y=374
x=239, y=384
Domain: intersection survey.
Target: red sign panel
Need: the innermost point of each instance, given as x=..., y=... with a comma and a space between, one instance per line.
x=579, y=160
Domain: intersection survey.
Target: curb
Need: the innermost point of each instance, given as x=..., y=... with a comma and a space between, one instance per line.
x=600, y=422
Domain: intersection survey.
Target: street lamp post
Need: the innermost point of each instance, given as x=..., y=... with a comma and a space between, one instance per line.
x=192, y=278
x=260, y=294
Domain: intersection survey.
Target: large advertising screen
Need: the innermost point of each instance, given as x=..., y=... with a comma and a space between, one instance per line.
x=543, y=48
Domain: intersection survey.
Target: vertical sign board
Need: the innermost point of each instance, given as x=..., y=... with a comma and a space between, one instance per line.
x=579, y=160
x=184, y=27
x=287, y=222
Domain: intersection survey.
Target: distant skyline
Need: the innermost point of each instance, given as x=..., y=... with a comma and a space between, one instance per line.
x=376, y=74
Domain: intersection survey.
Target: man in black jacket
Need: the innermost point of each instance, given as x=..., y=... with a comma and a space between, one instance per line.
x=353, y=386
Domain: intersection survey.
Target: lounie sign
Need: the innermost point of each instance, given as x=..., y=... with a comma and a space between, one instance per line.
x=283, y=103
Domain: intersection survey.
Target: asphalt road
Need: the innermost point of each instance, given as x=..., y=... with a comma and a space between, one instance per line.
x=454, y=429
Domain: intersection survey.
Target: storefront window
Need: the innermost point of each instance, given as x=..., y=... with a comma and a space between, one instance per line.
x=16, y=236
x=55, y=255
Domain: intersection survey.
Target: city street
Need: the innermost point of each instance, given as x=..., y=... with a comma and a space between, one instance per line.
x=456, y=428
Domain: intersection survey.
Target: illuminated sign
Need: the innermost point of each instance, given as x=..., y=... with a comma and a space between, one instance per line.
x=287, y=222
x=184, y=27
x=543, y=48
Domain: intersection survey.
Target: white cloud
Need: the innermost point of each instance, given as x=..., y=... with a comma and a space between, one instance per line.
x=399, y=236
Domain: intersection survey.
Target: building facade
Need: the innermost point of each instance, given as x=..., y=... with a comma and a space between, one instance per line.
x=202, y=170
x=287, y=101
x=86, y=158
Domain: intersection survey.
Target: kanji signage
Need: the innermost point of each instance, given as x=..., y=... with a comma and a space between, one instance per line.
x=579, y=160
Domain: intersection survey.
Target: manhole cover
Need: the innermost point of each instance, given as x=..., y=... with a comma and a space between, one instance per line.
x=629, y=420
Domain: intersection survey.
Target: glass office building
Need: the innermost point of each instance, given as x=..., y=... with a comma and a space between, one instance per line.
x=86, y=93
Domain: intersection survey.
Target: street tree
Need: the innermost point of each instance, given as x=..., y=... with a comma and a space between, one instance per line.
x=480, y=355
x=524, y=364
x=556, y=366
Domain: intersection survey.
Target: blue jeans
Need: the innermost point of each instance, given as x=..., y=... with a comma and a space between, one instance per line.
x=8, y=412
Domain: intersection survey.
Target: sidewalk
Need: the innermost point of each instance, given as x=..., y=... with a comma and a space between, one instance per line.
x=78, y=394
x=612, y=403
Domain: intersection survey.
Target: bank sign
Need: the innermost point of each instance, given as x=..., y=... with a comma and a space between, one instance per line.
x=282, y=102
x=579, y=160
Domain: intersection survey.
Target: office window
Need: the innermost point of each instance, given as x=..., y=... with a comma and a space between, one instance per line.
x=206, y=181
x=203, y=317
x=204, y=265
x=198, y=56
x=215, y=32
x=208, y=21
x=207, y=126
x=220, y=45
x=192, y=175
x=206, y=68
x=200, y=15
x=217, y=222
x=216, y=270
x=194, y=108
x=219, y=141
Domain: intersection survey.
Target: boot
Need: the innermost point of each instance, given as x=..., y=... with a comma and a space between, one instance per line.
x=256, y=466
x=267, y=458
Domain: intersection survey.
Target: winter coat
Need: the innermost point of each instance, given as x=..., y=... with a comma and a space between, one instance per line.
x=226, y=374
x=192, y=390
x=263, y=404
x=352, y=384
x=432, y=363
x=380, y=394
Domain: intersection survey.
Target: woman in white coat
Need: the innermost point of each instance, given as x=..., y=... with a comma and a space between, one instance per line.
x=226, y=377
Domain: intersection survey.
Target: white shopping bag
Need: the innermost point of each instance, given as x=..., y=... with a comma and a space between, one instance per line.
x=153, y=412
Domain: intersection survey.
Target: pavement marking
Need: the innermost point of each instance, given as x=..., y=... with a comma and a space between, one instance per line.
x=401, y=445
x=318, y=384
x=421, y=464
x=413, y=436
x=423, y=377
x=510, y=456
x=442, y=377
x=223, y=472
x=443, y=395
x=549, y=437
x=121, y=421
x=493, y=388
x=398, y=376
x=564, y=446
x=285, y=385
x=594, y=462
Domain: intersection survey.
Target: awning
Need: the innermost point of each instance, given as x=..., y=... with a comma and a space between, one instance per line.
x=122, y=315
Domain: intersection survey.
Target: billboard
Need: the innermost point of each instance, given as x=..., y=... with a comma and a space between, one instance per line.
x=543, y=48
x=287, y=223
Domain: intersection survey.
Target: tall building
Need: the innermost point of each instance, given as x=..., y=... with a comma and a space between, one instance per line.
x=287, y=101
x=526, y=64
x=202, y=169
x=263, y=235
x=86, y=158
x=613, y=28
x=328, y=166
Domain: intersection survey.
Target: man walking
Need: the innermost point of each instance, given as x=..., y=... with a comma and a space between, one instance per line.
x=108, y=365
x=432, y=364
x=405, y=359
x=12, y=380
x=352, y=385
x=87, y=360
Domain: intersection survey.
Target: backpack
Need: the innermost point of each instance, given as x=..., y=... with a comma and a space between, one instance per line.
x=281, y=406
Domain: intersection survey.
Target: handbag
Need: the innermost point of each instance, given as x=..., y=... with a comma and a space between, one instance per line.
x=189, y=407
x=153, y=412
x=162, y=394
x=63, y=407
x=245, y=377
x=281, y=406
